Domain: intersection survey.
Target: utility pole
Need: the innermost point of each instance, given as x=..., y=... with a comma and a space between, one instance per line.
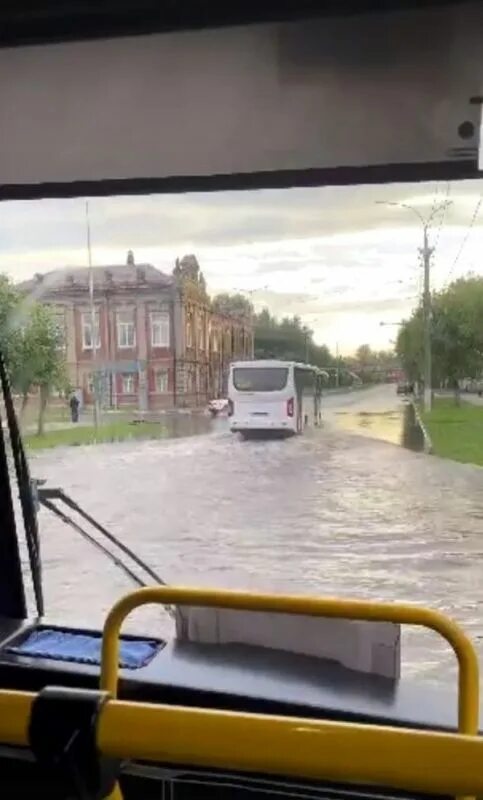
x=426, y=253
x=95, y=409
x=251, y=293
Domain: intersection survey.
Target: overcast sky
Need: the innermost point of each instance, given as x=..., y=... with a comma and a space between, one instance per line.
x=335, y=256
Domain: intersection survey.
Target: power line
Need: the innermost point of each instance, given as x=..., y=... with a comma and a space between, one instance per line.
x=433, y=206
x=466, y=236
x=443, y=216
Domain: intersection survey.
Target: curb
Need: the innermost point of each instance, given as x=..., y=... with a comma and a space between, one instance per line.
x=345, y=389
x=428, y=445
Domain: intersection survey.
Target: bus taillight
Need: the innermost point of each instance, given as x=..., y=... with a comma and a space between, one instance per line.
x=231, y=408
x=290, y=406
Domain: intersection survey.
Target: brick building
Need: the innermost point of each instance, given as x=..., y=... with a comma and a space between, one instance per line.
x=157, y=342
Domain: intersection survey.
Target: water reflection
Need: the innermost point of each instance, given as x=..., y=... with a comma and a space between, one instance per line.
x=179, y=425
x=398, y=426
x=412, y=435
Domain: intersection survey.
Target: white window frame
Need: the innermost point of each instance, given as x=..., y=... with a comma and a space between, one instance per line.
x=60, y=328
x=164, y=372
x=159, y=324
x=200, y=332
x=86, y=325
x=189, y=330
x=124, y=341
x=127, y=377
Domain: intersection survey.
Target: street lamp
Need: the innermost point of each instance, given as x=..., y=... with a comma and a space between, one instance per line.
x=426, y=252
x=94, y=326
x=251, y=292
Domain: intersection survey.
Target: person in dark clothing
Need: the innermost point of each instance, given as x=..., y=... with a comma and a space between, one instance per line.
x=74, y=408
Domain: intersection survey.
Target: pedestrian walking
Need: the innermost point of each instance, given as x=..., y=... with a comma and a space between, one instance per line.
x=74, y=408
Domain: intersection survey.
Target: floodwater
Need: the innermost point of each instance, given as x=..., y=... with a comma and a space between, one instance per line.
x=343, y=511
x=396, y=424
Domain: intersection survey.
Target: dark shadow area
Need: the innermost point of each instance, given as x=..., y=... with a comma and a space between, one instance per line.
x=412, y=437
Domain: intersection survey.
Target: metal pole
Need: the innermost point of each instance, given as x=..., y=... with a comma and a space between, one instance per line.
x=337, y=368
x=426, y=253
x=426, y=256
x=95, y=409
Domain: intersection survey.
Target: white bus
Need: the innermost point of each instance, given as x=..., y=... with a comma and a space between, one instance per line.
x=283, y=397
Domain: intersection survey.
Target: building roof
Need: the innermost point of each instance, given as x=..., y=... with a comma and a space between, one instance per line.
x=111, y=276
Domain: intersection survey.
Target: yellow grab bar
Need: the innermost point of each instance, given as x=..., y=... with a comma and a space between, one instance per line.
x=468, y=677
x=397, y=758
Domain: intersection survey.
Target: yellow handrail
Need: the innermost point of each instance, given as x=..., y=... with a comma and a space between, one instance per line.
x=397, y=758
x=468, y=678
x=426, y=761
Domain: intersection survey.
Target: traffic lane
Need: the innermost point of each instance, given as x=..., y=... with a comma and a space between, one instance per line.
x=329, y=513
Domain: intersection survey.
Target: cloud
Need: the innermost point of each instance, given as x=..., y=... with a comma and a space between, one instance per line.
x=229, y=218
x=333, y=255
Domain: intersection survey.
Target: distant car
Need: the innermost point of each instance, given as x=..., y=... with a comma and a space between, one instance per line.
x=218, y=406
x=404, y=388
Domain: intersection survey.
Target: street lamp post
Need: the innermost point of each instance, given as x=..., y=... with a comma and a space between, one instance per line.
x=426, y=252
x=251, y=292
x=94, y=327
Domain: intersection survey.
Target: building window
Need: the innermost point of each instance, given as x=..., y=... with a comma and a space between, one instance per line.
x=192, y=378
x=87, y=331
x=189, y=331
x=159, y=329
x=201, y=338
x=126, y=335
x=162, y=381
x=127, y=384
x=60, y=336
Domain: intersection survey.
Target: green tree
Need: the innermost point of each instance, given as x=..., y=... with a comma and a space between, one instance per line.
x=43, y=363
x=10, y=319
x=456, y=335
x=409, y=346
x=364, y=355
x=235, y=305
x=291, y=340
x=287, y=338
x=30, y=341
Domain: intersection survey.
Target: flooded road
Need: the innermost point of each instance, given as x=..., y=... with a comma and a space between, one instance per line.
x=335, y=512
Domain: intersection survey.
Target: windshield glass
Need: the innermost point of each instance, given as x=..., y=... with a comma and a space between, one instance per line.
x=257, y=379
x=375, y=491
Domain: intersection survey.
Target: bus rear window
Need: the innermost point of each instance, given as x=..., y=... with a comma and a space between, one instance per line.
x=252, y=379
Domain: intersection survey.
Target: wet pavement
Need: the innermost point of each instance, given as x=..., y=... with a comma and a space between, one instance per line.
x=343, y=511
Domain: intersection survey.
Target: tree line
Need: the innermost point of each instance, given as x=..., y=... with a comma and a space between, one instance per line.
x=291, y=340
x=32, y=345
x=456, y=335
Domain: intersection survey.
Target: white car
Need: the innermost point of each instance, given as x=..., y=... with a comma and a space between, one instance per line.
x=218, y=406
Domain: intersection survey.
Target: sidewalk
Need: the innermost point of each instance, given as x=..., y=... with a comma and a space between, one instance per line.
x=473, y=399
x=111, y=416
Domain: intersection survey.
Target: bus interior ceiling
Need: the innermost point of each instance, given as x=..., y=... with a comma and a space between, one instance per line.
x=171, y=100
